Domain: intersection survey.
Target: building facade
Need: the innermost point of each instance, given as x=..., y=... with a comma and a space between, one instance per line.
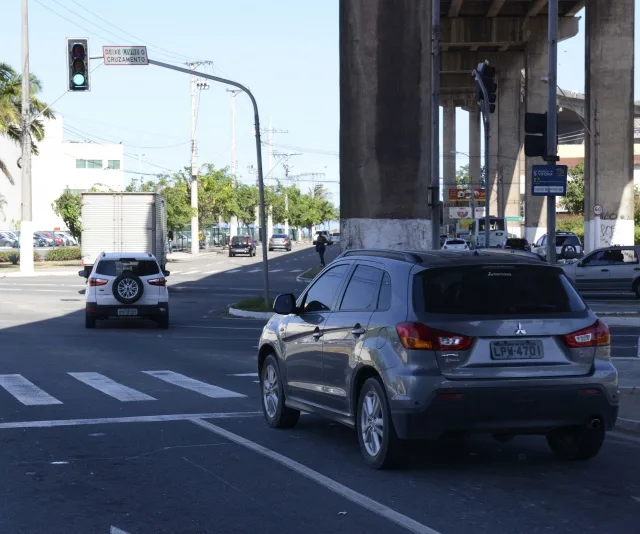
x=59, y=165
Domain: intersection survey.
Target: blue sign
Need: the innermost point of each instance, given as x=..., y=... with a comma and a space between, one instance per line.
x=549, y=181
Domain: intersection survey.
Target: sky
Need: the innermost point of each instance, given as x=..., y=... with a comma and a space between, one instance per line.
x=286, y=52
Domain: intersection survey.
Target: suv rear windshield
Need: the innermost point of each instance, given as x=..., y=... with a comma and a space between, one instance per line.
x=562, y=240
x=137, y=267
x=455, y=242
x=495, y=290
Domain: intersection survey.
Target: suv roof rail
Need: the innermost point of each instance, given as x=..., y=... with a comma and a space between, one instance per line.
x=390, y=254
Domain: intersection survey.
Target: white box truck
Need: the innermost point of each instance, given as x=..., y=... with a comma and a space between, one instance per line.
x=123, y=222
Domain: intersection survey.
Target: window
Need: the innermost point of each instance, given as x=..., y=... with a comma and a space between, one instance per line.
x=81, y=163
x=113, y=164
x=117, y=267
x=562, y=240
x=320, y=296
x=94, y=164
x=362, y=290
x=495, y=290
x=596, y=259
x=620, y=257
x=384, y=300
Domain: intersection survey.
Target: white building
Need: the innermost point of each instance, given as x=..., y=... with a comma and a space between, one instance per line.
x=60, y=164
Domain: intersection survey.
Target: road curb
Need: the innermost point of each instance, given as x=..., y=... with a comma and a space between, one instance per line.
x=41, y=273
x=250, y=314
x=628, y=425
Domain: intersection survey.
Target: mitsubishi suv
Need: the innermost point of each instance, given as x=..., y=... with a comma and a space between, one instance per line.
x=416, y=345
x=126, y=286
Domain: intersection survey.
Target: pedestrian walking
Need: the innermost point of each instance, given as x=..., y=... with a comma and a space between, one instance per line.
x=321, y=246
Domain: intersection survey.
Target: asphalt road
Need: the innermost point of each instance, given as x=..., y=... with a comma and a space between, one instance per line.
x=127, y=428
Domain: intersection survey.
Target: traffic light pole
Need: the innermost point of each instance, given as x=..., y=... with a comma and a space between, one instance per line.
x=265, y=266
x=486, y=119
x=552, y=125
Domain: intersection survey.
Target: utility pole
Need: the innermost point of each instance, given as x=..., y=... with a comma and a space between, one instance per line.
x=435, y=126
x=234, y=157
x=552, y=124
x=195, y=231
x=287, y=167
x=26, y=227
x=270, y=153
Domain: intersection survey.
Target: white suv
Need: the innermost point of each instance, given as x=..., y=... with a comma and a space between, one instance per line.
x=127, y=285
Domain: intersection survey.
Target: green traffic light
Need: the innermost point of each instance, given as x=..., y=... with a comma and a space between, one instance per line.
x=78, y=79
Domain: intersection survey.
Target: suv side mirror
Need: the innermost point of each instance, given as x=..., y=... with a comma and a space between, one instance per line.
x=166, y=273
x=285, y=304
x=83, y=273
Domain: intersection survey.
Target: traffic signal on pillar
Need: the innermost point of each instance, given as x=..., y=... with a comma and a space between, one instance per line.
x=78, y=60
x=487, y=75
x=535, y=140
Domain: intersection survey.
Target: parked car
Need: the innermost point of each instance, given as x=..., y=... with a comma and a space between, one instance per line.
x=455, y=244
x=68, y=239
x=280, y=241
x=518, y=243
x=8, y=240
x=568, y=246
x=496, y=343
x=327, y=236
x=44, y=239
x=241, y=244
x=57, y=241
x=607, y=269
x=128, y=286
x=335, y=237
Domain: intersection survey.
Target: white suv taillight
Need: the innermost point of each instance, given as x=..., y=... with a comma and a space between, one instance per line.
x=158, y=282
x=93, y=282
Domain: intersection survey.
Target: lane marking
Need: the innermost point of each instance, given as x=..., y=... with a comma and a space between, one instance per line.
x=211, y=272
x=232, y=271
x=330, y=484
x=638, y=349
x=276, y=271
x=220, y=327
x=116, y=530
x=208, y=390
x=245, y=374
x=135, y=419
x=191, y=272
x=254, y=271
x=26, y=392
x=296, y=271
x=111, y=387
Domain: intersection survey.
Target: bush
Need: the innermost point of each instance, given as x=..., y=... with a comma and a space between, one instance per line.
x=636, y=235
x=63, y=254
x=7, y=256
x=573, y=224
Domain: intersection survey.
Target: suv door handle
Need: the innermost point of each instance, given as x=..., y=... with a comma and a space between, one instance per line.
x=318, y=333
x=357, y=330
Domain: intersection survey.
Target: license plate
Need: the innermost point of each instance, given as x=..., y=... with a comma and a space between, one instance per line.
x=127, y=312
x=516, y=350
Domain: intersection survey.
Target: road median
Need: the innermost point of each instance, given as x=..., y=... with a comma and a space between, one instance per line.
x=252, y=308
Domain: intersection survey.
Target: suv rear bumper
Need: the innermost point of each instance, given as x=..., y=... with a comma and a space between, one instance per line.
x=154, y=311
x=527, y=410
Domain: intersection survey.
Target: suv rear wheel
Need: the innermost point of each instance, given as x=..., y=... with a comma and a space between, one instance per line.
x=576, y=443
x=89, y=322
x=379, y=443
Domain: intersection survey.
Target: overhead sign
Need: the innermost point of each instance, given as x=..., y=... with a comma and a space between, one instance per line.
x=549, y=180
x=597, y=210
x=125, y=55
x=465, y=195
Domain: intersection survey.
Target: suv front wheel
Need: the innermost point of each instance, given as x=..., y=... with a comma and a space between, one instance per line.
x=379, y=443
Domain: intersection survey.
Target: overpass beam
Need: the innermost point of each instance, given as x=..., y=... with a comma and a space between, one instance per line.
x=385, y=124
x=609, y=107
x=448, y=158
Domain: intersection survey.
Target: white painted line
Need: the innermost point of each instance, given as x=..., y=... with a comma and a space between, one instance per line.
x=353, y=496
x=26, y=392
x=208, y=390
x=221, y=327
x=111, y=388
x=233, y=271
x=276, y=271
x=296, y=271
x=9, y=289
x=135, y=419
x=254, y=271
x=625, y=357
x=245, y=374
x=175, y=272
x=638, y=349
x=191, y=272
x=211, y=272
x=116, y=530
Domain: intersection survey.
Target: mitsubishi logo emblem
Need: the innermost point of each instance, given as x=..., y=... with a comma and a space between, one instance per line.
x=520, y=331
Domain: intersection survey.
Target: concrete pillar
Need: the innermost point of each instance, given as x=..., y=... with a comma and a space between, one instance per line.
x=385, y=124
x=448, y=162
x=536, y=101
x=475, y=149
x=509, y=138
x=609, y=81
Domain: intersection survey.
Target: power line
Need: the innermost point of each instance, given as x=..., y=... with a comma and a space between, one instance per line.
x=70, y=128
x=77, y=117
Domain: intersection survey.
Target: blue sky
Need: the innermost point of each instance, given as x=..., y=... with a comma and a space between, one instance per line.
x=286, y=52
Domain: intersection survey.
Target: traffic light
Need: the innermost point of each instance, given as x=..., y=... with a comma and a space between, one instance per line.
x=487, y=74
x=78, y=59
x=535, y=142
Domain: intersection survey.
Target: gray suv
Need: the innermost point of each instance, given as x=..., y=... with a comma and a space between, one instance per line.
x=404, y=345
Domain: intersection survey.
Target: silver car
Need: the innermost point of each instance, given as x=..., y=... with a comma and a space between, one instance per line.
x=404, y=345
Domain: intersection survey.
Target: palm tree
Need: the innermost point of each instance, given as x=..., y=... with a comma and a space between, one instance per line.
x=11, y=110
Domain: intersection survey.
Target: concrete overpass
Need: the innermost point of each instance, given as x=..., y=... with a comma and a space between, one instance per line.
x=385, y=49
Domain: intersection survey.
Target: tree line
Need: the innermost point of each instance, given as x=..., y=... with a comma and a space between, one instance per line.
x=219, y=197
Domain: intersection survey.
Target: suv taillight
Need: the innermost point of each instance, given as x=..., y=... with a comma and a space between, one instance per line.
x=417, y=336
x=93, y=282
x=158, y=282
x=596, y=335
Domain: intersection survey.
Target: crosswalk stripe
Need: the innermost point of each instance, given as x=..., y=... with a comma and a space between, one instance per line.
x=254, y=271
x=191, y=272
x=296, y=271
x=26, y=392
x=192, y=384
x=111, y=387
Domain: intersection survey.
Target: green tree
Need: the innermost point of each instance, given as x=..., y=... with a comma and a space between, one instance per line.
x=574, y=201
x=463, y=176
x=246, y=203
x=68, y=206
x=216, y=196
x=11, y=110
